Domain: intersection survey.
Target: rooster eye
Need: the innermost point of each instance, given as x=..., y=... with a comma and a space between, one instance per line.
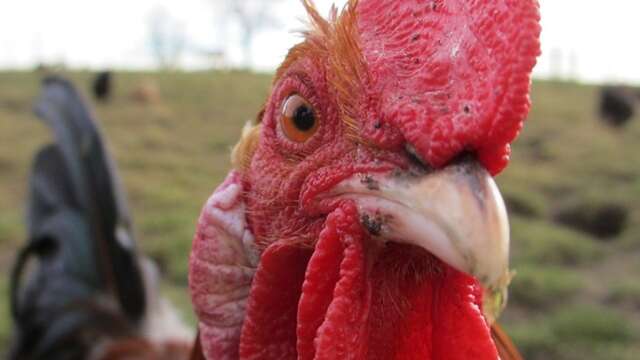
x=298, y=120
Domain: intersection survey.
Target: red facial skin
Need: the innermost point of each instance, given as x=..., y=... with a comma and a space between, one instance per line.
x=285, y=178
x=443, y=76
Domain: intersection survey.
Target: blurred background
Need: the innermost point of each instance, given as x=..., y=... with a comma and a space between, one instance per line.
x=187, y=75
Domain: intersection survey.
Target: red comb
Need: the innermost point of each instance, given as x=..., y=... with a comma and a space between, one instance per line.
x=451, y=75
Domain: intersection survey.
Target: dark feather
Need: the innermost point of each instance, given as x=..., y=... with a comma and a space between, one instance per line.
x=96, y=190
x=506, y=349
x=197, y=353
x=86, y=279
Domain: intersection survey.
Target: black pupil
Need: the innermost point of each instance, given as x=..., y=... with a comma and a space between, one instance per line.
x=304, y=118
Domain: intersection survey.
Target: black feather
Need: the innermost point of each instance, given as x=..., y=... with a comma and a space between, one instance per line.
x=80, y=233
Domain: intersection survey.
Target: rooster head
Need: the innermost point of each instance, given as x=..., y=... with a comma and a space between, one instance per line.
x=361, y=220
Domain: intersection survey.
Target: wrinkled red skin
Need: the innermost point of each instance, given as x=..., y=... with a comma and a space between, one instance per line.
x=284, y=175
x=454, y=75
x=444, y=76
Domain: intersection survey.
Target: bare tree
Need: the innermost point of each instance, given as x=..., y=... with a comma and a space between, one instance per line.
x=251, y=16
x=167, y=38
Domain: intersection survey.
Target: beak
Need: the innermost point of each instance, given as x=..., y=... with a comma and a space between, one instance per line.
x=457, y=214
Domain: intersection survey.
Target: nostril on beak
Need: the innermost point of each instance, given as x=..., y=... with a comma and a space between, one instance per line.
x=415, y=157
x=465, y=157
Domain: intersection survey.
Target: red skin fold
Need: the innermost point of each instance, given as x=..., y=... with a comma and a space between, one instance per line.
x=336, y=295
x=269, y=330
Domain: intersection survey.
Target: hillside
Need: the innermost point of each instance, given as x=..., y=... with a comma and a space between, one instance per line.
x=573, y=191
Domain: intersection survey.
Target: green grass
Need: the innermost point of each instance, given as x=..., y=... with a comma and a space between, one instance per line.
x=625, y=292
x=569, y=300
x=11, y=225
x=583, y=325
x=5, y=318
x=580, y=332
x=538, y=287
x=544, y=243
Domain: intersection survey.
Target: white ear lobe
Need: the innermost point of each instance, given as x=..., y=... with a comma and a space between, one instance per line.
x=225, y=212
x=222, y=264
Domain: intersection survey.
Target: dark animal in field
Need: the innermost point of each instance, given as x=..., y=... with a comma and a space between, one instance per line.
x=617, y=105
x=79, y=288
x=103, y=86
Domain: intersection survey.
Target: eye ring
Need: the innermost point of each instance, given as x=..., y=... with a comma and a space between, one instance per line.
x=298, y=120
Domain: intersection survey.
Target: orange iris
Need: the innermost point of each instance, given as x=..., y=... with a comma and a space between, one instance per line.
x=298, y=120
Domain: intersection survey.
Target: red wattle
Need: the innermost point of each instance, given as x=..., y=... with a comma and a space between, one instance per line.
x=424, y=309
x=336, y=295
x=269, y=330
x=347, y=299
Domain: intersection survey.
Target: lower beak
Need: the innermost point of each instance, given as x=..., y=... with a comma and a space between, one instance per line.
x=457, y=214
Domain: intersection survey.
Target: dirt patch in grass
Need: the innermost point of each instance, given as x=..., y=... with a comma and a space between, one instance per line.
x=625, y=293
x=602, y=220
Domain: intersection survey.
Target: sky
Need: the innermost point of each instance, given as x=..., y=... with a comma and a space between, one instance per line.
x=586, y=40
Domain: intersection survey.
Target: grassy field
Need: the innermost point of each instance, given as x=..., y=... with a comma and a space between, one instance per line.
x=573, y=192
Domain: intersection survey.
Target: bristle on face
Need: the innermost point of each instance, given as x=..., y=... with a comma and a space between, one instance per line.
x=245, y=148
x=335, y=42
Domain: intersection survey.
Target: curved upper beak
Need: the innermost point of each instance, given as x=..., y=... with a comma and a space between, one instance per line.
x=456, y=213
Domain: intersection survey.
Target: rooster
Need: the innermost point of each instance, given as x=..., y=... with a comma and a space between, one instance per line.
x=79, y=288
x=361, y=219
